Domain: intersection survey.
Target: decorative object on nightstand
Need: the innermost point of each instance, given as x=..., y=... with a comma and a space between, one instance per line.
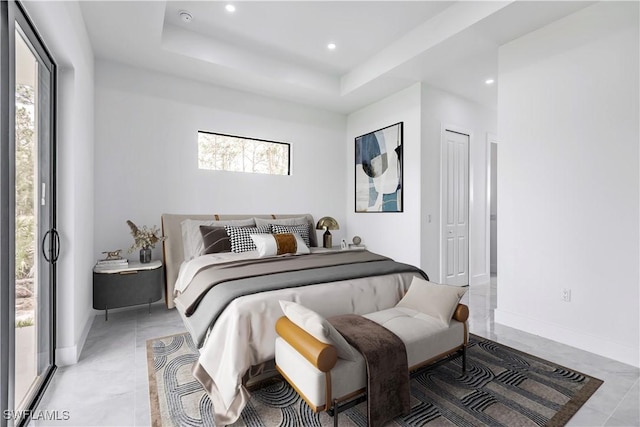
x=133, y=284
x=145, y=239
x=327, y=223
x=111, y=264
x=112, y=255
x=357, y=243
x=112, y=261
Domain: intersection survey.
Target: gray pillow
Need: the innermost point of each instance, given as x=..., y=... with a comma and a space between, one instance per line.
x=299, y=220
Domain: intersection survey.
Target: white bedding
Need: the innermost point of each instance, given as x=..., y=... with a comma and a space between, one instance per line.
x=188, y=269
x=244, y=334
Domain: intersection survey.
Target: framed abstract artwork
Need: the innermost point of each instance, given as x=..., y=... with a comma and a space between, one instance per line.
x=378, y=165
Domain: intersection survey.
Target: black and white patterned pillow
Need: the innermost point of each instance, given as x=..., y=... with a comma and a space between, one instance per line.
x=241, y=237
x=301, y=230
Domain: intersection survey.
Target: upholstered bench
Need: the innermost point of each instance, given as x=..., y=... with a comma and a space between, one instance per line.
x=328, y=373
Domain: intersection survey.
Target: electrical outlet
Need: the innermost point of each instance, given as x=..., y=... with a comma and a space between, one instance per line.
x=566, y=294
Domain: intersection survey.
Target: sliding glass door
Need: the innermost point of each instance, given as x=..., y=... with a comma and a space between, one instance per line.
x=33, y=217
x=29, y=239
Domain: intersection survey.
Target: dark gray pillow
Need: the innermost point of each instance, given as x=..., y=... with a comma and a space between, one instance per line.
x=215, y=239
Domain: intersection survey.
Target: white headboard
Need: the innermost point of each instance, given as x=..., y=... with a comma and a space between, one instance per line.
x=173, y=250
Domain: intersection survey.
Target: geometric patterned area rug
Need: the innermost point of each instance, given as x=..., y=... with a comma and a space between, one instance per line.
x=502, y=387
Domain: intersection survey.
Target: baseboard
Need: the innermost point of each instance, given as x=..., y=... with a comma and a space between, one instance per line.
x=597, y=345
x=70, y=355
x=66, y=356
x=85, y=333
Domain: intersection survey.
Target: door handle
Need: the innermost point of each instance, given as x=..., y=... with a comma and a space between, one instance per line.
x=56, y=245
x=44, y=251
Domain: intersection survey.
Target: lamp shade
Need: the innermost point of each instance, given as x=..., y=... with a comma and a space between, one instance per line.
x=328, y=223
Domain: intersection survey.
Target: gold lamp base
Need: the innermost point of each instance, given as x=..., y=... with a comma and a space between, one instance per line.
x=326, y=240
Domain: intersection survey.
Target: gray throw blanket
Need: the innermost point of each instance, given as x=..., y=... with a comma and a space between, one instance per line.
x=211, y=275
x=387, y=367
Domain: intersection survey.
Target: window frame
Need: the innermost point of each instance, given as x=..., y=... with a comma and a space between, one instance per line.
x=287, y=144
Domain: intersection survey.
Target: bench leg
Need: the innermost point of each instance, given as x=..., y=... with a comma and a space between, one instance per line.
x=335, y=413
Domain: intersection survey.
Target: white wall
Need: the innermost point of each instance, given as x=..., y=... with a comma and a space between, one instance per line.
x=442, y=109
x=62, y=28
x=569, y=184
x=146, y=153
x=396, y=235
x=409, y=236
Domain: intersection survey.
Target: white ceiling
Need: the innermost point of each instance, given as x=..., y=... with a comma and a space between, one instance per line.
x=279, y=49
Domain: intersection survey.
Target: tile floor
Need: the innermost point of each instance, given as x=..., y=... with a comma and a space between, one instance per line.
x=108, y=386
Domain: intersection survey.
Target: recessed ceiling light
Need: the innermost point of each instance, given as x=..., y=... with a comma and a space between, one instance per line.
x=331, y=46
x=185, y=16
x=230, y=8
x=489, y=81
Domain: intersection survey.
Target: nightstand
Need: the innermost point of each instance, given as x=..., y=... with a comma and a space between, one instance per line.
x=136, y=284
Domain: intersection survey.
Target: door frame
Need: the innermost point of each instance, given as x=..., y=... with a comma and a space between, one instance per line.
x=12, y=12
x=29, y=30
x=7, y=216
x=491, y=139
x=444, y=127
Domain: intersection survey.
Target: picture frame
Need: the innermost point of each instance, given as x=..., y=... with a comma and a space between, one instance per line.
x=378, y=170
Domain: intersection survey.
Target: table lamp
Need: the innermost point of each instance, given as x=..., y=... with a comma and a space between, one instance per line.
x=327, y=223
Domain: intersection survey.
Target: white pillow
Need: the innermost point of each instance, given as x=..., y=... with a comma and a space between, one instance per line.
x=279, y=244
x=192, y=243
x=432, y=299
x=318, y=327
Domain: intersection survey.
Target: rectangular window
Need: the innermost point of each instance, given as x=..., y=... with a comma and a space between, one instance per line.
x=237, y=154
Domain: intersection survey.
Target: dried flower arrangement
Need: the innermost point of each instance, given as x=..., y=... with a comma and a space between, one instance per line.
x=144, y=237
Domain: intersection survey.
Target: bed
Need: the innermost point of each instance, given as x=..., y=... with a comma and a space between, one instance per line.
x=230, y=301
